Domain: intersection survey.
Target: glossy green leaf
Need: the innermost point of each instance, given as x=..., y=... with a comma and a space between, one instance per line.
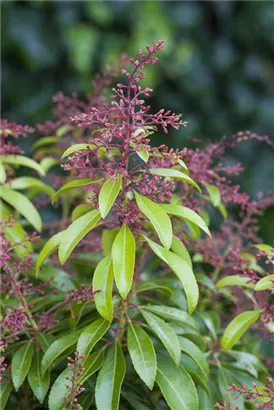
x=103, y=283
x=123, y=257
x=24, y=161
x=15, y=233
x=38, y=383
x=29, y=182
x=173, y=173
x=108, y=195
x=153, y=286
x=171, y=313
x=234, y=280
x=188, y=347
x=80, y=210
x=57, y=348
x=23, y=205
x=195, y=371
x=142, y=354
x=110, y=379
x=237, y=327
x=41, y=142
x=186, y=213
x=176, y=385
x=5, y=391
x=214, y=194
x=78, y=147
x=269, y=250
x=59, y=391
x=265, y=283
x=182, y=270
x=91, y=335
x=108, y=236
x=50, y=246
x=74, y=184
x=2, y=174
x=165, y=333
x=157, y=217
x=21, y=363
x=179, y=248
x=76, y=232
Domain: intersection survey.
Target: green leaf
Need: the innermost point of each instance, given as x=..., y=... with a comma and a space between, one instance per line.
x=57, y=348
x=48, y=162
x=76, y=232
x=108, y=236
x=143, y=153
x=21, y=363
x=157, y=217
x=50, y=246
x=15, y=233
x=234, y=280
x=176, y=385
x=142, y=354
x=91, y=335
x=23, y=205
x=223, y=210
x=147, y=286
x=269, y=250
x=186, y=213
x=237, y=327
x=110, y=379
x=165, y=333
x=195, y=371
x=25, y=161
x=38, y=383
x=171, y=313
x=74, y=184
x=108, y=195
x=103, y=284
x=77, y=147
x=2, y=174
x=123, y=257
x=45, y=141
x=6, y=389
x=265, y=283
x=214, y=194
x=29, y=182
x=58, y=391
x=182, y=270
x=173, y=173
x=80, y=210
x=179, y=248
x=188, y=347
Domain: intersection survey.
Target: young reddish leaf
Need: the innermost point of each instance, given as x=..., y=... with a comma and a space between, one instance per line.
x=157, y=217
x=165, y=333
x=110, y=379
x=76, y=232
x=103, y=284
x=123, y=257
x=142, y=354
x=238, y=326
x=108, y=195
x=21, y=363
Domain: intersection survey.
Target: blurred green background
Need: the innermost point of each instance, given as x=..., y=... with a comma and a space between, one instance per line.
x=217, y=68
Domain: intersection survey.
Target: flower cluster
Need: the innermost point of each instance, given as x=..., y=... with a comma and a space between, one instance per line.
x=75, y=387
x=8, y=130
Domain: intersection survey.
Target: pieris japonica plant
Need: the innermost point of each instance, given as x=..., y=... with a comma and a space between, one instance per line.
x=130, y=300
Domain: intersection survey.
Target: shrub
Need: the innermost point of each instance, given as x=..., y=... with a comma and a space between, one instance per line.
x=144, y=307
